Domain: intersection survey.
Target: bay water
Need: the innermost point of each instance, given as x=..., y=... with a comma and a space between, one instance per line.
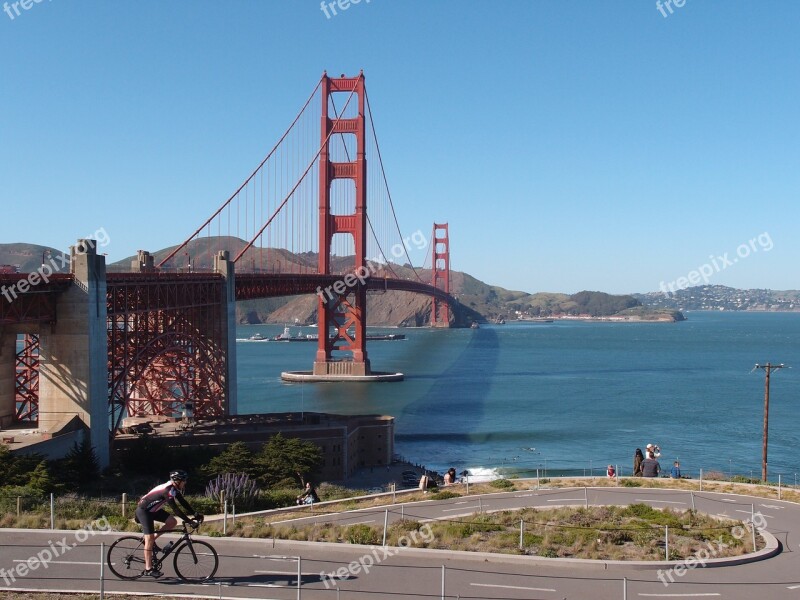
x=565, y=397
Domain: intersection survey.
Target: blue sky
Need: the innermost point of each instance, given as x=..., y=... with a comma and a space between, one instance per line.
x=570, y=145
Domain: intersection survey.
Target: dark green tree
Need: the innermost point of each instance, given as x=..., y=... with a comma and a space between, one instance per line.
x=79, y=467
x=40, y=481
x=288, y=462
x=236, y=458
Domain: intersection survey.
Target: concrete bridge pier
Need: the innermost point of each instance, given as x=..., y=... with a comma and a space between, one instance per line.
x=8, y=352
x=73, y=376
x=225, y=267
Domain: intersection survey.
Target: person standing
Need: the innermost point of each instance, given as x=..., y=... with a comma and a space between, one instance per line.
x=650, y=466
x=675, y=473
x=638, y=459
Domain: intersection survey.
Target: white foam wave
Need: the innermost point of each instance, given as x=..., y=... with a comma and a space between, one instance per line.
x=479, y=474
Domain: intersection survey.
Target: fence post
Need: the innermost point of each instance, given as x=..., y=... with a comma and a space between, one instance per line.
x=666, y=542
x=624, y=588
x=616, y=473
x=102, y=570
x=521, y=531
x=779, y=487
x=701, y=480
x=19, y=505
x=385, y=525
x=692, y=493
x=402, y=512
x=299, y=575
x=222, y=500
x=124, y=502
x=225, y=518
x=466, y=478
x=394, y=493
x=537, y=478
x=233, y=517
x=753, y=524
x=52, y=511
x=586, y=497
x=443, y=589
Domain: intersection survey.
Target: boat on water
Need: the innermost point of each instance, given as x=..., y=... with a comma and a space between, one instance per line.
x=287, y=336
x=257, y=337
x=474, y=325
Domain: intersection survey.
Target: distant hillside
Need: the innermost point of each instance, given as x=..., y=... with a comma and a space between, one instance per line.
x=478, y=301
x=28, y=257
x=720, y=297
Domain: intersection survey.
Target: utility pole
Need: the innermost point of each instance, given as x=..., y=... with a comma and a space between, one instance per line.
x=768, y=368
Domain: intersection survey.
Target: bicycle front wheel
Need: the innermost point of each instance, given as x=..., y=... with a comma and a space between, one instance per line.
x=196, y=561
x=125, y=557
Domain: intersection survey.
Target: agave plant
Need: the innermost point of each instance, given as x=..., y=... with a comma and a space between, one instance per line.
x=238, y=488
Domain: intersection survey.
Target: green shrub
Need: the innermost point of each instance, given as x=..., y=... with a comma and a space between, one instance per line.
x=501, y=484
x=444, y=495
x=631, y=483
x=361, y=534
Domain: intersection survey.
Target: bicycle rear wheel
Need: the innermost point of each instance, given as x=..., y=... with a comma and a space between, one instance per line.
x=196, y=561
x=125, y=557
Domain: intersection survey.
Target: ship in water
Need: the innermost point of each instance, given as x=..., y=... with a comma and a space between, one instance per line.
x=286, y=336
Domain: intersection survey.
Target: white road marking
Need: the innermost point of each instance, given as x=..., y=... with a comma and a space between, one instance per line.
x=62, y=562
x=359, y=523
x=762, y=514
x=659, y=501
x=680, y=595
x=775, y=506
x=462, y=508
x=568, y=500
x=727, y=500
x=513, y=587
x=462, y=502
x=793, y=587
x=284, y=573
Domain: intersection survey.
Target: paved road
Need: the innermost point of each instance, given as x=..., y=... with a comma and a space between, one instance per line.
x=265, y=569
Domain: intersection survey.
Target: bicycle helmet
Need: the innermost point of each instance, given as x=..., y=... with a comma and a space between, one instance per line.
x=179, y=475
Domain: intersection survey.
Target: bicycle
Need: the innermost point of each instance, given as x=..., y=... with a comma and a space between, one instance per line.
x=195, y=560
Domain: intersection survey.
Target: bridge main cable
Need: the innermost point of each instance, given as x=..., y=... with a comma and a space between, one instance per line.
x=246, y=181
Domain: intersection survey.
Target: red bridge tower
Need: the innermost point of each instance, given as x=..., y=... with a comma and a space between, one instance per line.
x=345, y=312
x=440, y=309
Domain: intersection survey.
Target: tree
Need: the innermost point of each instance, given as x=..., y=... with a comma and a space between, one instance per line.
x=40, y=481
x=236, y=458
x=80, y=466
x=288, y=461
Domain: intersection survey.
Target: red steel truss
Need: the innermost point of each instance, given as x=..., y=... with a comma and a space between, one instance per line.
x=342, y=321
x=166, y=345
x=28, y=299
x=440, y=309
x=27, y=380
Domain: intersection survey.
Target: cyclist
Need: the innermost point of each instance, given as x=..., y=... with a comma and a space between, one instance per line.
x=150, y=509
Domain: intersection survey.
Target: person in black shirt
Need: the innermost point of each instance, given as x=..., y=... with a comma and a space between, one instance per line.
x=650, y=466
x=150, y=509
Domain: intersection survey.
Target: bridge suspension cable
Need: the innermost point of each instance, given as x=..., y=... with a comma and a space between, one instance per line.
x=246, y=182
x=386, y=184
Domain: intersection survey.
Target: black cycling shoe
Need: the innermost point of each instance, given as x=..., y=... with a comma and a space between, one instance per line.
x=152, y=573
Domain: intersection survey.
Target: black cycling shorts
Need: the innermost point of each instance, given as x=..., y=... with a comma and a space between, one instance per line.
x=146, y=519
